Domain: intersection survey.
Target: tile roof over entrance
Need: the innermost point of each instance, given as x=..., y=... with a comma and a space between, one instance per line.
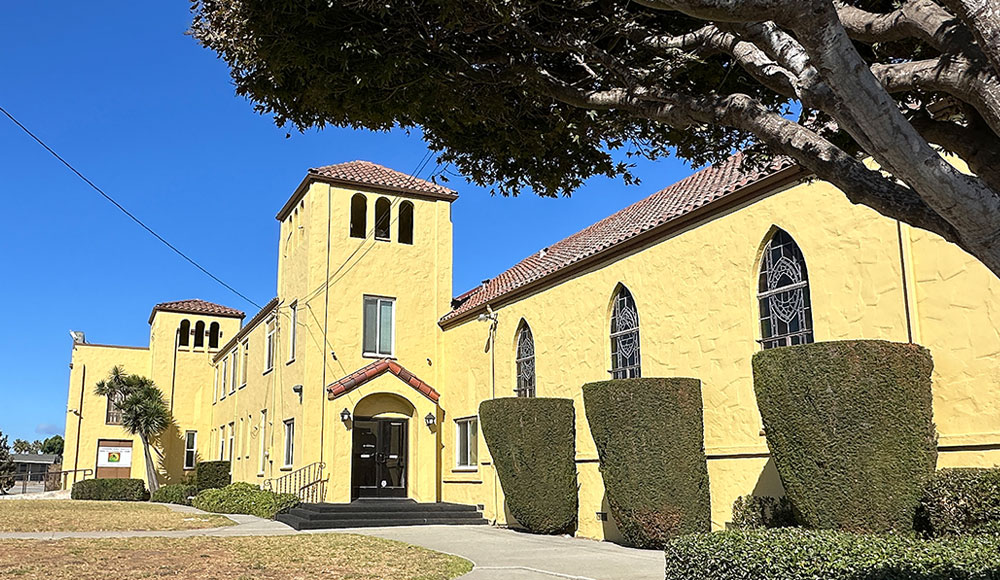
x=687, y=195
x=375, y=369
x=196, y=306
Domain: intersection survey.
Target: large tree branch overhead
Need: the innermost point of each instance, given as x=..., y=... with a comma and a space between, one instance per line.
x=532, y=95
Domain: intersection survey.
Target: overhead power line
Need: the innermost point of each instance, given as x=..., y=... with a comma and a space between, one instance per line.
x=127, y=212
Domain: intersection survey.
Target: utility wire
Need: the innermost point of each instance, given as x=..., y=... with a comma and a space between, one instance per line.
x=125, y=211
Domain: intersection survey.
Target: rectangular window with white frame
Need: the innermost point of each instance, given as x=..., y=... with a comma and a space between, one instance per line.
x=467, y=443
x=232, y=442
x=235, y=373
x=270, y=345
x=289, y=443
x=215, y=386
x=245, y=347
x=379, y=326
x=262, y=435
x=293, y=329
x=222, y=443
x=190, y=449
x=224, y=377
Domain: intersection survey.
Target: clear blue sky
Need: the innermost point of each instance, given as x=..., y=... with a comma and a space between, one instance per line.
x=120, y=91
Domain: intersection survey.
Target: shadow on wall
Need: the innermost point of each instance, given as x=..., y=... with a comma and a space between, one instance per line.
x=611, y=531
x=171, y=445
x=769, y=482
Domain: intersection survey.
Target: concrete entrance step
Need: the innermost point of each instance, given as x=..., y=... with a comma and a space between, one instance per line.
x=379, y=513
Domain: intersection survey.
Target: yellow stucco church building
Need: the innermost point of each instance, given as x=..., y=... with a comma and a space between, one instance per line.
x=363, y=377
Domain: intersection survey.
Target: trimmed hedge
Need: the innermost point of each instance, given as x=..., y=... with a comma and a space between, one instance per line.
x=850, y=428
x=649, y=437
x=752, y=512
x=110, y=490
x=178, y=493
x=211, y=474
x=961, y=501
x=533, y=445
x=796, y=554
x=244, y=498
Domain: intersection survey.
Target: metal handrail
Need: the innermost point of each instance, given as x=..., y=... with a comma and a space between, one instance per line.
x=305, y=482
x=52, y=480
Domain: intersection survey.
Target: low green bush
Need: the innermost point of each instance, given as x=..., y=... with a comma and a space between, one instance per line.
x=244, y=498
x=797, y=554
x=649, y=438
x=178, y=493
x=110, y=490
x=533, y=445
x=211, y=474
x=850, y=427
x=752, y=512
x=961, y=501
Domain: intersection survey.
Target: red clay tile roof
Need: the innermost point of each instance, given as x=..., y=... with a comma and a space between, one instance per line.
x=370, y=173
x=691, y=193
x=377, y=368
x=196, y=307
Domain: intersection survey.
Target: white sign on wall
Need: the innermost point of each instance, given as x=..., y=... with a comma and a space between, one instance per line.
x=108, y=456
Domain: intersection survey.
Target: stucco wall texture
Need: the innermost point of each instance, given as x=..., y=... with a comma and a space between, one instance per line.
x=695, y=290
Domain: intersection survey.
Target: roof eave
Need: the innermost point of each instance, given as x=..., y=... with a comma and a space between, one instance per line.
x=156, y=309
x=758, y=189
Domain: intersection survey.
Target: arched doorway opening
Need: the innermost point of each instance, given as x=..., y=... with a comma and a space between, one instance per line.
x=380, y=456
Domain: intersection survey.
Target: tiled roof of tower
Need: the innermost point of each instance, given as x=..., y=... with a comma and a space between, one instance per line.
x=196, y=306
x=687, y=195
x=369, y=173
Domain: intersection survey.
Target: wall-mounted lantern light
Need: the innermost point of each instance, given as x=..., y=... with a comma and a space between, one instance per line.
x=297, y=389
x=345, y=415
x=430, y=419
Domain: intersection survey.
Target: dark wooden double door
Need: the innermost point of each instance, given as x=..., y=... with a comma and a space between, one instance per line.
x=378, y=466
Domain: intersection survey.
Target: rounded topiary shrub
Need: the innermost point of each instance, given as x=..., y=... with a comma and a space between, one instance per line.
x=649, y=437
x=110, y=490
x=849, y=425
x=178, y=493
x=752, y=512
x=533, y=445
x=961, y=501
x=211, y=474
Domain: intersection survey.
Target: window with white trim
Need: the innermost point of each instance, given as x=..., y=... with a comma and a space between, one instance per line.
x=215, y=386
x=222, y=442
x=270, y=344
x=379, y=326
x=467, y=443
x=289, y=443
x=293, y=326
x=225, y=378
x=245, y=348
x=190, y=449
x=232, y=441
x=262, y=435
x=235, y=374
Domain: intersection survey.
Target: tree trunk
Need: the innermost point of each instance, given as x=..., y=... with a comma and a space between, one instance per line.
x=151, y=479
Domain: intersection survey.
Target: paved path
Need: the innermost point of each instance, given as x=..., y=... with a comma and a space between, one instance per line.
x=506, y=554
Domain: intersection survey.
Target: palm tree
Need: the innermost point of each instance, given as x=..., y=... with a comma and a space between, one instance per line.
x=144, y=412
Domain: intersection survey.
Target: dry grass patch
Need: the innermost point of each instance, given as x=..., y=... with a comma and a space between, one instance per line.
x=98, y=516
x=327, y=556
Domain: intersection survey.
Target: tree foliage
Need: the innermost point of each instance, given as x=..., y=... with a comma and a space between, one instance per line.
x=144, y=412
x=7, y=467
x=537, y=95
x=53, y=445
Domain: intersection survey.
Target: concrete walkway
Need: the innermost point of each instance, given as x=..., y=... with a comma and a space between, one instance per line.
x=505, y=554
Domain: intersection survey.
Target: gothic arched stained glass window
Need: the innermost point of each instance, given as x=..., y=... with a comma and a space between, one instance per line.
x=525, y=359
x=783, y=294
x=625, y=363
